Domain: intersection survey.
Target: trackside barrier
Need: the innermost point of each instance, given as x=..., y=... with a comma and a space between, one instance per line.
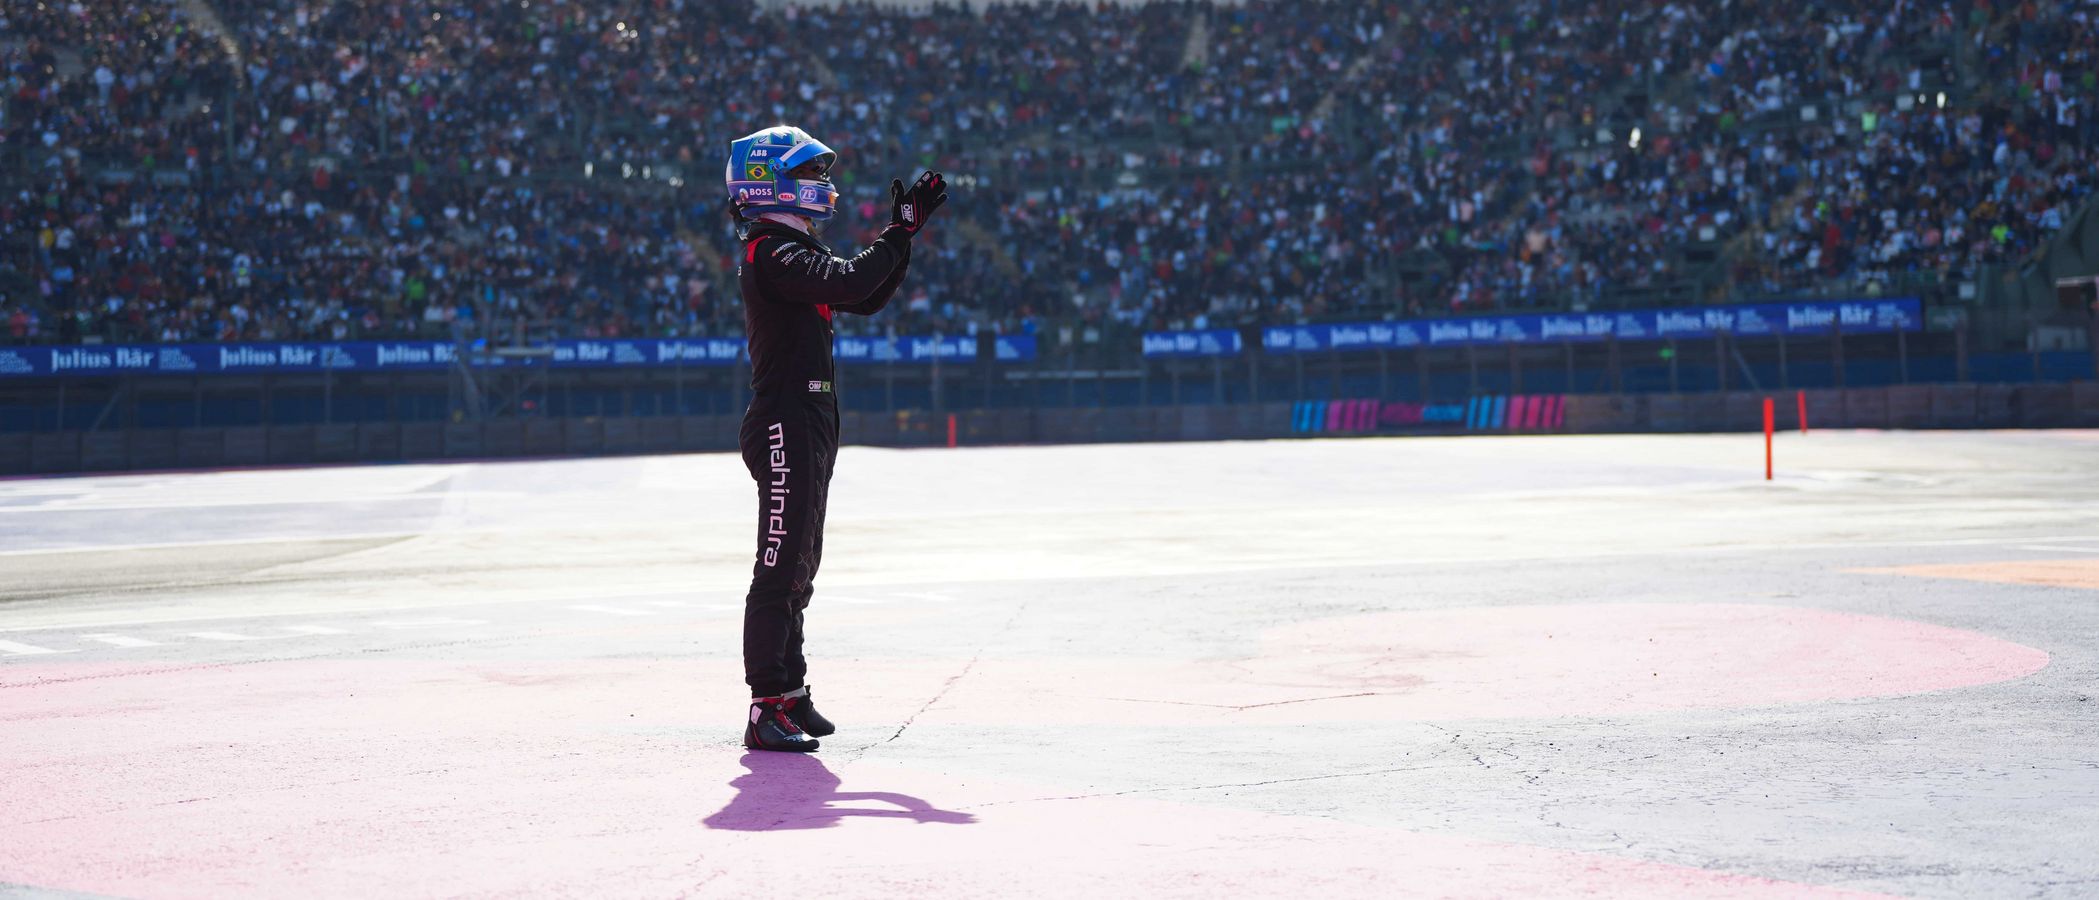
x=1943, y=406
x=1909, y=406
x=1603, y=413
x=1304, y=414
x=1952, y=405
x=1825, y=406
x=1525, y=412
x=2084, y=404
x=1520, y=413
x=1539, y=412
x=1333, y=416
x=1366, y=416
x=1419, y=416
x=1739, y=411
x=1484, y=413
x=1353, y=415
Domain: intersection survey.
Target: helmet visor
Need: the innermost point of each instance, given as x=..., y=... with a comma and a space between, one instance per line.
x=810, y=151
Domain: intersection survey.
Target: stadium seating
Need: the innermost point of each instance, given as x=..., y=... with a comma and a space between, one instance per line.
x=262, y=169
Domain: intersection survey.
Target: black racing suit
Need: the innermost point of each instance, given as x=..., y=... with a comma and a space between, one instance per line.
x=792, y=284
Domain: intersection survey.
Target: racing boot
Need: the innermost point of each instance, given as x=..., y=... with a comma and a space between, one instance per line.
x=804, y=713
x=772, y=728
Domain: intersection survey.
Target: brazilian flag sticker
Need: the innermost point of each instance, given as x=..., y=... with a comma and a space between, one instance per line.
x=757, y=171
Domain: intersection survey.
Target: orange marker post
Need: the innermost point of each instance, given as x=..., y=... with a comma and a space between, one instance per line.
x=951, y=429
x=1768, y=416
x=1801, y=398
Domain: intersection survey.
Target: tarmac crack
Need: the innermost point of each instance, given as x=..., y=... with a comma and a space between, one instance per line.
x=936, y=698
x=1458, y=740
x=948, y=685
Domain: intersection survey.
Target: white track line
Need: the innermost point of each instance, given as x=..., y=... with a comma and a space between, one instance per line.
x=1812, y=545
x=456, y=503
x=928, y=596
x=259, y=614
x=226, y=636
x=14, y=649
x=228, y=542
x=314, y=629
x=2047, y=549
x=632, y=590
x=404, y=624
x=610, y=610
x=118, y=640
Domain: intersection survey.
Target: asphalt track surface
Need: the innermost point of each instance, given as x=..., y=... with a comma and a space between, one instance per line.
x=1617, y=666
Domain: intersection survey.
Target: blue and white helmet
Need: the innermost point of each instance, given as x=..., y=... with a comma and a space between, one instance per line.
x=758, y=180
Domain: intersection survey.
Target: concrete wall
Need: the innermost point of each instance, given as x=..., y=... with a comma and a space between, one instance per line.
x=1907, y=406
x=1913, y=406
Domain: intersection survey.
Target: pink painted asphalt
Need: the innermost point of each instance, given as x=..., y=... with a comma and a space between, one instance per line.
x=1508, y=662
x=662, y=825
x=533, y=778
x=355, y=777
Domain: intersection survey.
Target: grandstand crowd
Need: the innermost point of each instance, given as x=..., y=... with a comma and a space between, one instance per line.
x=284, y=169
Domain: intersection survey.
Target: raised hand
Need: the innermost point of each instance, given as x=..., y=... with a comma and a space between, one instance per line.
x=910, y=209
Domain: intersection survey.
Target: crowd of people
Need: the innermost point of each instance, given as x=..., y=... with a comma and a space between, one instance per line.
x=1813, y=149
x=519, y=169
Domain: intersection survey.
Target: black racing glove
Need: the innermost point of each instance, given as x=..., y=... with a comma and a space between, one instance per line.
x=910, y=209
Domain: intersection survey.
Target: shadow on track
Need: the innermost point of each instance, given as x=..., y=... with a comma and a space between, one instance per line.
x=784, y=791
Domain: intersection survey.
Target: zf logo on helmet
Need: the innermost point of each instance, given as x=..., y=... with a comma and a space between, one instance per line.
x=809, y=195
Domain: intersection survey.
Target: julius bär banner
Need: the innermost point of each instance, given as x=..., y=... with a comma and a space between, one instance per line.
x=1822, y=317
x=409, y=356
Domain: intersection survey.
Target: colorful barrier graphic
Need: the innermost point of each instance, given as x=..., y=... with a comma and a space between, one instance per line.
x=1519, y=413
x=1529, y=412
